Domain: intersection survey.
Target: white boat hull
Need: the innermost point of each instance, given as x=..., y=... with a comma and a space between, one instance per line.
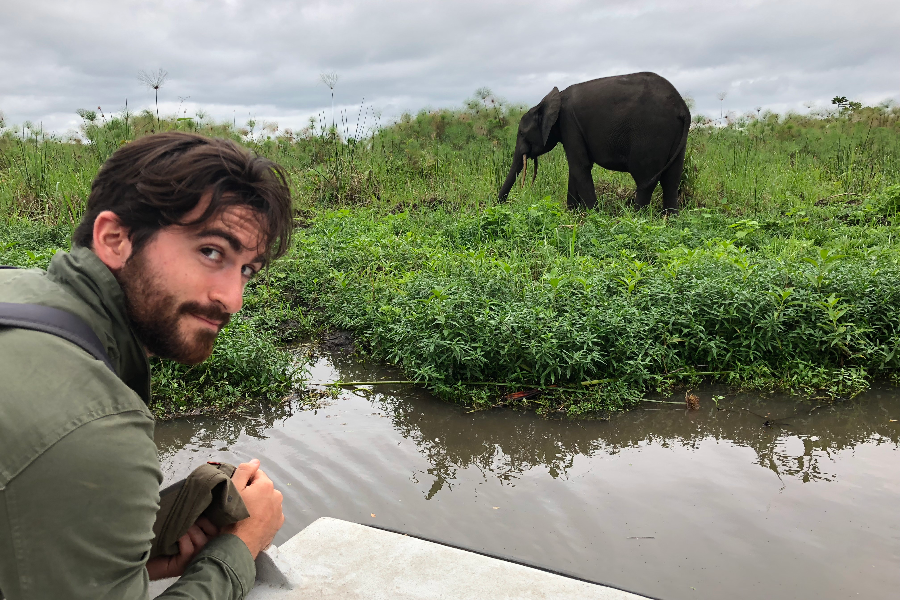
x=342, y=560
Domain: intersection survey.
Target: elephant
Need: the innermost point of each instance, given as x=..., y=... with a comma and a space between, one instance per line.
x=635, y=123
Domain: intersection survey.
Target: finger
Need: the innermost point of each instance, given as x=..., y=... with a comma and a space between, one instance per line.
x=261, y=478
x=207, y=526
x=186, y=551
x=198, y=538
x=185, y=547
x=245, y=473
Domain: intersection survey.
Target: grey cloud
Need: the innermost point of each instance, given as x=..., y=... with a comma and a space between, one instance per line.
x=240, y=57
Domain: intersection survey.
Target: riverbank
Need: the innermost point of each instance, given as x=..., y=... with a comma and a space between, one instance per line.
x=782, y=272
x=532, y=295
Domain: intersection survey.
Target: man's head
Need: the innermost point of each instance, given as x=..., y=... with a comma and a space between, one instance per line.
x=184, y=222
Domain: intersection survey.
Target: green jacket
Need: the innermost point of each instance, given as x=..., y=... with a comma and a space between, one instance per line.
x=79, y=473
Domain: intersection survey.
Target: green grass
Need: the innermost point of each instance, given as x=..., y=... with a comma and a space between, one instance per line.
x=781, y=272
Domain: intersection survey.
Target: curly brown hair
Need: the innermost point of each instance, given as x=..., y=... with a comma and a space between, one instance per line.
x=154, y=181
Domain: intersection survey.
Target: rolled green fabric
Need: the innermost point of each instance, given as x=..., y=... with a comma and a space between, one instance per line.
x=207, y=492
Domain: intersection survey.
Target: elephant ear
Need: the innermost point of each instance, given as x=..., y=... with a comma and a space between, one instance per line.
x=549, y=109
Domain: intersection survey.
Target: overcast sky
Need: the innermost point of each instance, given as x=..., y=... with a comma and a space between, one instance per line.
x=264, y=58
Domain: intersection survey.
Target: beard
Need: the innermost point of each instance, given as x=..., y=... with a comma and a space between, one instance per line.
x=155, y=315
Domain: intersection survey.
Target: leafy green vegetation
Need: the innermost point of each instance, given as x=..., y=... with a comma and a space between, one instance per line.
x=245, y=365
x=781, y=272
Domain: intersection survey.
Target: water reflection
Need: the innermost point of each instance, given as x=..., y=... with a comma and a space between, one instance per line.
x=790, y=438
x=216, y=431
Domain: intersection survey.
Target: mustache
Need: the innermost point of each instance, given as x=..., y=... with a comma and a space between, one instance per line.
x=208, y=311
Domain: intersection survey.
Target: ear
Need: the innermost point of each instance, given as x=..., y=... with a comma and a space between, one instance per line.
x=112, y=244
x=549, y=111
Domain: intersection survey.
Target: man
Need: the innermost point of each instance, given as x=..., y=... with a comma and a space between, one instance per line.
x=175, y=227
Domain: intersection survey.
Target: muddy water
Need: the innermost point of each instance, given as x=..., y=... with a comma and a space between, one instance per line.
x=661, y=501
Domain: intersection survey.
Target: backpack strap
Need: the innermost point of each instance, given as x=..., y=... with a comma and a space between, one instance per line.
x=56, y=322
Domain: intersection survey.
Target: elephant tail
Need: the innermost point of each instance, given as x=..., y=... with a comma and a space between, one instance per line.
x=682, y=144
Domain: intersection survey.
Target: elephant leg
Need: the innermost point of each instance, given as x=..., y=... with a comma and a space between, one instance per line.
x=572, y=193
x=581, y=188
x=643, y=195
x=581, y=193
x=581, y=184
x=670, y=181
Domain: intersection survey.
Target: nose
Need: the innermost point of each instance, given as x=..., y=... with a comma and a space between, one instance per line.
x=229, y=292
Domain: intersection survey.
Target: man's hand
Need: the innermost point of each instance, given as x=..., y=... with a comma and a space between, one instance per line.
x=263, y=503
x=189, y=545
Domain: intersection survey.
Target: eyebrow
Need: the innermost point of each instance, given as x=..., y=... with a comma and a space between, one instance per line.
x=232, y=241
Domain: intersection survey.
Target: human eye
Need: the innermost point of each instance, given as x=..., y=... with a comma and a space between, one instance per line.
x=249, y=271
x=211, y=253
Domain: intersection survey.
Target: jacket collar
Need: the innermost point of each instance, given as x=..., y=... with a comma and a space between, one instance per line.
x=84, y=275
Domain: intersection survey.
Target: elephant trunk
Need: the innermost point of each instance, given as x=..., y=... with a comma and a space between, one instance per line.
x=534, y=174
x=517, y=165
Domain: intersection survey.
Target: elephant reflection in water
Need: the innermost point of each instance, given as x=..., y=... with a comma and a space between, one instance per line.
x=634, y=123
